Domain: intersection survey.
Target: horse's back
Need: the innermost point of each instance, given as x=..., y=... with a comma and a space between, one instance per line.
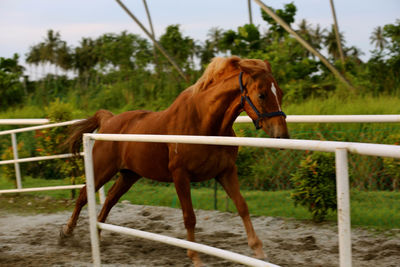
x=126, y=122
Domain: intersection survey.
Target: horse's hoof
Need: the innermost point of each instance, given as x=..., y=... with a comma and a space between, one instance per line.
x=259, y=254
x=64, y=233
x=198, y=264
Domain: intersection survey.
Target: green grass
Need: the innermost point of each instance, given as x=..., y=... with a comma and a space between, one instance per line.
x=345, y=105
x=377, y=210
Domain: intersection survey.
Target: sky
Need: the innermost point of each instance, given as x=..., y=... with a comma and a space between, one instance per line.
x=24, y=23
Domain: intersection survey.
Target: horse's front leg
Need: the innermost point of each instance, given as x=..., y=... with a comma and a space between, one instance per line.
x=229, y=181
x=182, y=186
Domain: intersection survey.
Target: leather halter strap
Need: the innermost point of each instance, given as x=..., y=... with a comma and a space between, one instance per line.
x=246, y=98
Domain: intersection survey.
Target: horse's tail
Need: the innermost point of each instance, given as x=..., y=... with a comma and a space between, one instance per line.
x=77, y=129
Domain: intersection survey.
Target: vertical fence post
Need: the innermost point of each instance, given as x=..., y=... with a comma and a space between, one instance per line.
x=343, y=211
x=16, y=164
x=90, y=189
x=102, y=195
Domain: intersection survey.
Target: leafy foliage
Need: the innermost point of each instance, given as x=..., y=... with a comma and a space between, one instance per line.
x=314, y=185
x=50, y=142
x=11, y=89
x=287, y=14
x=392, y=166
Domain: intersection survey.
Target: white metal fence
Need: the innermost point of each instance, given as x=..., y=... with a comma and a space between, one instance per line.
x=16, y=161
x=240, y=119
x=342, y=179
x=340, y=149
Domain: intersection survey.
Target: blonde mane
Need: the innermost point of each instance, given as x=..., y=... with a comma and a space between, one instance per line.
x=219, y=66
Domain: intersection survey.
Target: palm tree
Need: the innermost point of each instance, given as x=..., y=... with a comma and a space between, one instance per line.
x=33, y=57
x=64, y=57
x=306, y=32
x=355, y=53
x=85, y=57
x=317, y=36
x=51, y=45
x=215, y=36
x=304, y=28
x=330, y=42
x=378, y=39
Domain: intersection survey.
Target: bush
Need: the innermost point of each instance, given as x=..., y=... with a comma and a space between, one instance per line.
x=391, y=167
x=8, y=170
x=314, y=184
x=50, y=142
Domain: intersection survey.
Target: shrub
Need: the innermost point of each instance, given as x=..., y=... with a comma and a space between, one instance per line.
x=391, y=166
x=8, y=170
x=314, y=184
x=50, y=142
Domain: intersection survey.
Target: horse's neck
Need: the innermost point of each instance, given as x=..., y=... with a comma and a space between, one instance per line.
x=218, y=108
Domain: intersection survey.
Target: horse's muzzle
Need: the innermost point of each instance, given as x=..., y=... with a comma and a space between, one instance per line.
x=276, y=127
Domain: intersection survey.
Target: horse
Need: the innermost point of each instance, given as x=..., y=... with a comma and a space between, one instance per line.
x=209, y=107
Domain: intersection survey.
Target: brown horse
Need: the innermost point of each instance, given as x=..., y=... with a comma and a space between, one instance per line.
x=209, y=107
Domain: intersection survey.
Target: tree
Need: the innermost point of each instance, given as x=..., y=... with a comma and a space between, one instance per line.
x=64, y=57
x=378, y=39
x=392, y=32
x=180, y=47
x=243, y=42
x=287, y=14
x=11, y=89
x=305, y=31
x=123, y=51
x=211, y=46
x=85, y=57
x=215, y=36
x=52, y=50
x=331, y=44
x=317, y=37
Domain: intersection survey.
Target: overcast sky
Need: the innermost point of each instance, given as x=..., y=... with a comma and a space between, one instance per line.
x=25, y=22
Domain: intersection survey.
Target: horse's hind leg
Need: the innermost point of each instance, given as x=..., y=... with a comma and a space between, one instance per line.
x=120, y=187
x=102, y=176
x=230, y=183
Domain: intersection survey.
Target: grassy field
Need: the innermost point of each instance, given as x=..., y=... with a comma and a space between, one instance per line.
x=335, y=104
x=377, y=210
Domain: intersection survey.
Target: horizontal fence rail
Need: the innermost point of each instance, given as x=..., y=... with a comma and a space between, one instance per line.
x=339, y=148
x=332, y=119
x=247, y=119
x=60, y=156
x=23, y=121
x=34, y=128
x=43, y=188
x=297, y=144
x=224, y=254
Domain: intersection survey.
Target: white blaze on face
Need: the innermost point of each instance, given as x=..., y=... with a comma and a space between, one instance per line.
x=273, y=89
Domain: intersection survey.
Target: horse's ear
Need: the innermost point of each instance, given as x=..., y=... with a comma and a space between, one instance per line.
x=268, y=66
x=253, y=66
x=248, y=66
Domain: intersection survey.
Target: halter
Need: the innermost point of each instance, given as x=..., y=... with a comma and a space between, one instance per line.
x=245, y=97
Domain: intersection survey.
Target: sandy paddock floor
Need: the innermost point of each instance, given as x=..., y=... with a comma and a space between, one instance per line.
x=33, y=240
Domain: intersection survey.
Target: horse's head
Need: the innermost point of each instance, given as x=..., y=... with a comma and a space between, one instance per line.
x=261, y=97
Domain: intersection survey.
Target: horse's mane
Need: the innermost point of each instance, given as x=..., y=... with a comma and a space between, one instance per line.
x=219, y=67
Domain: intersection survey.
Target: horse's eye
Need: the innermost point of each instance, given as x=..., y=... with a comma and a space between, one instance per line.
x=261, y=96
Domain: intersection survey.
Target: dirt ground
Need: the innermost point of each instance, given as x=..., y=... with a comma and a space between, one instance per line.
x=32, y=240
